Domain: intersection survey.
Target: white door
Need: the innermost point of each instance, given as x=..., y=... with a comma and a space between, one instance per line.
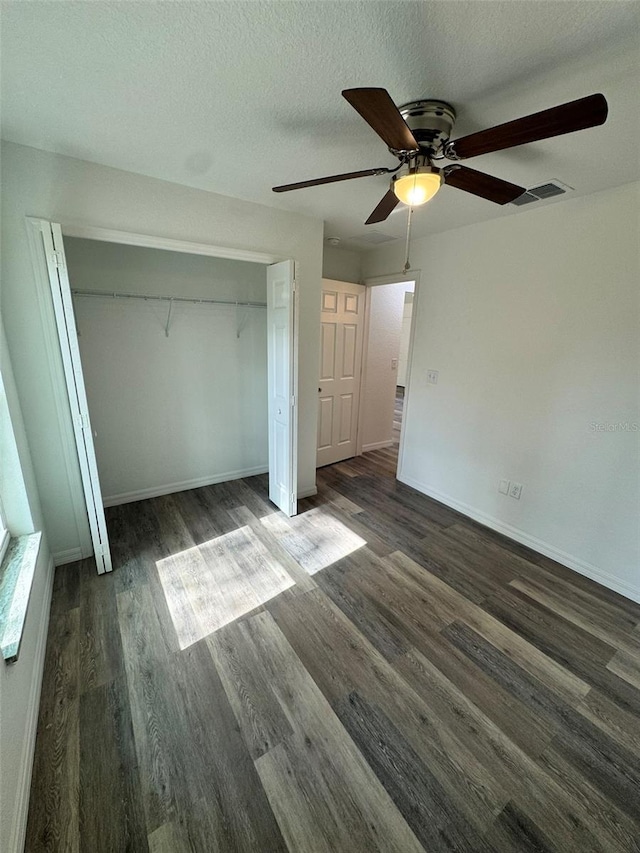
x=283, y=408
x=340, y=367
x=65, y=322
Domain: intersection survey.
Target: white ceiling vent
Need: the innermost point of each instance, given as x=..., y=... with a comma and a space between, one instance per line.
x=374, y=238
x=547, y=190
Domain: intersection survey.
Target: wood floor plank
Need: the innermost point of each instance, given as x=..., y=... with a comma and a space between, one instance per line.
x=234, y=589
x=583, y=610
x=127, y=543
x=416, y=792
x=544, y=795
x=512, y=716
x=604, y=762
x=259, y=715
x=66, y=587
x=329, y=497
x=514, y=832
x=170, y=838
x=269, y=536
x=341, y=661
x=578, y=651
x=203, y=517
x=316, y=539
x=111, y=811
x=183, y=577
x=568, y=644
x=53, y=822
x=627, y=666
x=158, y=715
x=610, y=827
x=620, y=724
x=365, y=818
x=340, y=583
x=238, y=812
x=374, y=542
x=483, y=623
x=266, y=574
x=101, y=659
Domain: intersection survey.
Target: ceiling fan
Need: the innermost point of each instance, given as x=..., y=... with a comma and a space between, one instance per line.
x=419, y=132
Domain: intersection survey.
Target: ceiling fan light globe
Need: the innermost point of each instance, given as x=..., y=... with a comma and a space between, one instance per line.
x=417, y=185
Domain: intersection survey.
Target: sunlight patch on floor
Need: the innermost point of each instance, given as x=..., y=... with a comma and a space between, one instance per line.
x=315, y=539
x=212, y=584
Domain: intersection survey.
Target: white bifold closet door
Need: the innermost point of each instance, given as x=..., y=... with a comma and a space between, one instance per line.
x=283, y=407
x=65, y=321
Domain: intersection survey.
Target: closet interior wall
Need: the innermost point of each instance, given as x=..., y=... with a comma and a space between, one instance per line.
x=178, y=410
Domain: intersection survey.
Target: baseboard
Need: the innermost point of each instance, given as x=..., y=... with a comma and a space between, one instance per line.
x=307, y=493
x=377, y=445
x=568, y=560
x=71, y=555
x=183, y=486
x=26, y=763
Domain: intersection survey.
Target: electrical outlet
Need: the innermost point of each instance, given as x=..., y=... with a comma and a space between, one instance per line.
x=432, y=377
x=394, y=364
x=515, y=491
x=504, y=487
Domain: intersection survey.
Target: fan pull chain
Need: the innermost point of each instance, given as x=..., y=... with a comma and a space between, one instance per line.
x=407, y=265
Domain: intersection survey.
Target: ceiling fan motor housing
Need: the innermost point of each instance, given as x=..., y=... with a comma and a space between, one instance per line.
x=431, y=123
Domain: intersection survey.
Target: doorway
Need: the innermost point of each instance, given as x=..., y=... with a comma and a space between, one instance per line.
x=366, y=333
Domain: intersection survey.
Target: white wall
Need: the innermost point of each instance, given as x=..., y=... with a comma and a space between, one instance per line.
x=38, y=183
x=532, y=321
x=382, y=345
x=341, y=264
x=405, y=338
x=20, y=682
x=180, y=411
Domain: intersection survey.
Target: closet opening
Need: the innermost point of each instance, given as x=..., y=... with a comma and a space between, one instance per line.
x=174, y=355
x=180, y=371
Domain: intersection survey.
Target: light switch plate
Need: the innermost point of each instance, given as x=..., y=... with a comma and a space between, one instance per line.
x=503, y=488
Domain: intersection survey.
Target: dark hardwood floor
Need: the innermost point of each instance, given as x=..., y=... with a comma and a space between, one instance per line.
x=379, y=673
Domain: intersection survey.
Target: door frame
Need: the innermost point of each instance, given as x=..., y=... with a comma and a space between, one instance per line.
x=34, y=227
x=372, y=281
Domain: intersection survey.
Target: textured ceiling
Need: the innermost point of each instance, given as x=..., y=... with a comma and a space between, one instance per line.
x=235, y=97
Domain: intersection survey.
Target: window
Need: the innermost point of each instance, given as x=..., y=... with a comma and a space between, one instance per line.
x=4, y=415
x=4, y=533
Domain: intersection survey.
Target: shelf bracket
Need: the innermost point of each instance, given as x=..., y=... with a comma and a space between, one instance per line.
x=166, y=328
x=241, y=320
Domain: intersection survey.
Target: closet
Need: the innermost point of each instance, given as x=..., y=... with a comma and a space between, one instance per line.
x=174, y=356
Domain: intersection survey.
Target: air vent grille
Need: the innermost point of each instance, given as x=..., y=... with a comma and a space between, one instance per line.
x=547, y=190
x=543, y=191
x=525, y=198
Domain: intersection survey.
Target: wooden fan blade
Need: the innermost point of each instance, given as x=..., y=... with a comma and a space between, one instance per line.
x=384, y=208
x=486, y=186
x=347, y=176
x=567, y=118
x=378, y=110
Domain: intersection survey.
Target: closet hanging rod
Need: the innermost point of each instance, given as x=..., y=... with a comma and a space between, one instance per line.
x=115, y=295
